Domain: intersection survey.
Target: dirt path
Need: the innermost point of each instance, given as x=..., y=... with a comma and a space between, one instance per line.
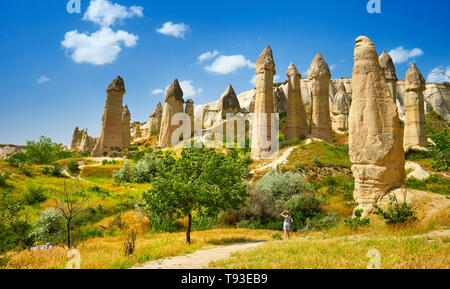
x=200, y=258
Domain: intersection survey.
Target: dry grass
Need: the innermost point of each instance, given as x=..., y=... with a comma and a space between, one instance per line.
x=107, y=252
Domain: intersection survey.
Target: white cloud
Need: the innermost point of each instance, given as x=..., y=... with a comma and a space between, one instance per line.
x=189, y=91
x=208, y=55
x=439, y=74
x=43, y=79
x=100, y=47
x=400, y=55
x=157, y=91
x=229, y=64
x=105, y=13
x=175, y=30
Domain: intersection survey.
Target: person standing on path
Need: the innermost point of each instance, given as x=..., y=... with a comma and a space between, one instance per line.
x=287, y=223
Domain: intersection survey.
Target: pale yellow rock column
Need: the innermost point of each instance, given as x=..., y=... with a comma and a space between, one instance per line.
x=415, y=134
x=189, y=110
x=375, y=141
x=126, y=120
x=296, y=116
x=261, y=132
x=173, y=104
x=388, y=67
x=111, y=135
x=340, y=110
x=319, y=77
x=155, y=120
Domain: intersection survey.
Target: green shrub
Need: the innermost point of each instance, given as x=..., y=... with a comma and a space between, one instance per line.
x=56, y=171
x=396, y=213
x=276, y=236
x=35, y=195
x=290, y=143
x=302, y=208
x=13, y=225
x=3, y=178
x=43, y=152
x=50, y=227
x=115, y=154
x=104, y=162
x=123, y=176
x=283, y=185
x=25, y=169
x=201, y=222
x=73, y=167
x=356, y=221
x=146, y=168
x=440, y=150
x=90, y=233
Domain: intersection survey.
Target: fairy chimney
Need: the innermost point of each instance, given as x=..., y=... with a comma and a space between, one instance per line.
x=189, y=110
x=415, y=134
x=111, y=135
x=340, y=110
x=155, y=120
x=319, y=77
x=375, y=141
x=296, y=126
x=388, y=67
x=228, y=102
x=262, y=124
x=174, y=103
x=126, y=120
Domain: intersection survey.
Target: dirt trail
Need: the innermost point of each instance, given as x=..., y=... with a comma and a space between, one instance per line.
x=200, y=258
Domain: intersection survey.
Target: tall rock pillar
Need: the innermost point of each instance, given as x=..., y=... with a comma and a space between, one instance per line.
x=189, y=110
x=111, y=136
x=375, y=142
x=126, y=120
x=415, y=134
x=389, y=72
x=319, y=76
x=155, y=120
x=340, y=110
x=174, y=103
x=296, y=116
x=262, y=126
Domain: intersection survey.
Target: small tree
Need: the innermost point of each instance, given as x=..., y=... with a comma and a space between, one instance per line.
x=396, y=213
x=70, y=202
x=356, y=221
x=201, y=180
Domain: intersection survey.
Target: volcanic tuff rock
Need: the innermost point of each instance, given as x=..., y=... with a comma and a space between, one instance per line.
x=375, y=142
x=296, y=126
x=415, y=134
x=155, y=120
x=262, y=124
x=174, y=103
x=112, y=129
x=340, y=110
x=228, y=102
x=189, y=110
x=126, y=120
x=319, y=77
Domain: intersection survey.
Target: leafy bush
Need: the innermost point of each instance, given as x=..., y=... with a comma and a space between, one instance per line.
x=290, y=143
x=13, y=225
x=354, y=223
x=396, y=213
x=73, y=167
x=302, y=208
x=146, y=168
x=202, y=222
x=90, y=233
x=115, y=154
x=283, y=185
x=440, y=150
x=56, y=171
x=35, y=195
x=25, y=169
x=123, y=176
x=277, y=236
x=50, y=227
x=44, y=152
x=3, y=178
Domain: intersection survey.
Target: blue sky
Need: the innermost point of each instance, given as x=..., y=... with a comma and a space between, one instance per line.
x=50, y=86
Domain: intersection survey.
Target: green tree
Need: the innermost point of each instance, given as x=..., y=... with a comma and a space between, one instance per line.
x=440, y=148
x=13, y=224
x=201, y=180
